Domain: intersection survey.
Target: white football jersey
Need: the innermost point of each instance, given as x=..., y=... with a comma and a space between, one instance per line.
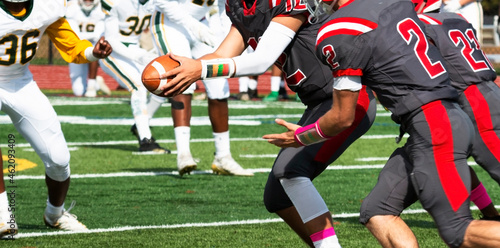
x=132, y=17
x=87, y=26
x=19, y=38
x=195, y=8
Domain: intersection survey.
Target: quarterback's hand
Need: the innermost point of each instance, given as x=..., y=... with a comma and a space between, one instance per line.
x=452, y=6
x=181, y=77
x=102, y=49
x=201, y=32
x=286, y=139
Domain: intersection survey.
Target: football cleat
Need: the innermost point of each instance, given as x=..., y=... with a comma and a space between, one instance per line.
x=7, y=229
x=253, y=94
x=185, y=164
x=150, y=145
x=243, y=96
x=272, y=97
x=91, y=92
x=102, y=86
x=67, y=221
x=227, y=166
x=133, y=130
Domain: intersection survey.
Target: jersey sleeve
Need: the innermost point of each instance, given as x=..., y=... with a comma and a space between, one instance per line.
x=349, y=59
x=71, y=48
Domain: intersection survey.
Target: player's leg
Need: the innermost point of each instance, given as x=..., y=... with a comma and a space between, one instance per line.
x=171, y=37
x=381, y=208
x=441, y=174
x=128, y=75
x=276, y=78
x=36, y=120
x=481, y=199
x=78, y=76
x=218, y=93
x=95, y=83
x=243, y=89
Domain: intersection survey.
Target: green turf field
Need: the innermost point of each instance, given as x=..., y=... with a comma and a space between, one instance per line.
x=132, y=200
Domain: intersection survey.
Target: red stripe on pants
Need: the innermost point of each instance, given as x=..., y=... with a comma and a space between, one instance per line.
x=482, y=116
x=442, y=145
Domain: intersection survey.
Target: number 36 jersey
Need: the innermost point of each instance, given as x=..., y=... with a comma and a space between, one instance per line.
x=20, y=37
x=388, y=49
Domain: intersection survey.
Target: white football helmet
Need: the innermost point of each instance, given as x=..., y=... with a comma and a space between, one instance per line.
x=320, y=7
x=88, y=5
x=16, y=1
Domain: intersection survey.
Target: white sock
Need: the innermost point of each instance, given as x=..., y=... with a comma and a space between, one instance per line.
x=4, y=206
x=154, y=104
x=329, y=242
x=275, y=83
x=142, y=124
x=53, y=212
x=243, y=82
x=222, y=148
x=91, y=84
x=252, y=84
x=282, y=83
x=182, y=139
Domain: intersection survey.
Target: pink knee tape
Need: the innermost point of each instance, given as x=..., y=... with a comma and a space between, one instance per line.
x=322, y=234
x=480, y=197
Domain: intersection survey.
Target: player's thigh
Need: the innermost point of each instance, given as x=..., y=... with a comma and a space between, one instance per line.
x=79, y=71
x=123, y=70
x=393, y=192
x=169, y=37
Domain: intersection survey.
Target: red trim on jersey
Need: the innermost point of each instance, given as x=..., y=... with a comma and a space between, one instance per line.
x=443, y=149
x=249, y=11
x=345, y=25
x=331, y=146
x=429, y=20
x=345, y=4
x=484, y=123
x=348, y=72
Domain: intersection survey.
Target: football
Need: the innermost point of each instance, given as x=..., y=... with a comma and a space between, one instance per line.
x=153, y=70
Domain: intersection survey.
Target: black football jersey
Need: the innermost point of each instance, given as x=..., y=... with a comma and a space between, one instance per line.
x=456, y=39
x=384, y=42
x=304, y=72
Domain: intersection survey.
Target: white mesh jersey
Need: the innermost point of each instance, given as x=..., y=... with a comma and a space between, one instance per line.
x=88, y=26
x=132, y=17
x=19, y=38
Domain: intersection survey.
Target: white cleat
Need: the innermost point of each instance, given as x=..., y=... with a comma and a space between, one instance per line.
x=185, y=164
x=8, y=229
x=227, y=166
x=91, y=92
x=102, y=86
x=66, y=221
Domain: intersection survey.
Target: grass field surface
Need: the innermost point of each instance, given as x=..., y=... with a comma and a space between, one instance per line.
x=127, y=199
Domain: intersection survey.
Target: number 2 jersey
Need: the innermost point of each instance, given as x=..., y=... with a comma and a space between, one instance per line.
x=20, y=37
x=387, y=47
x=304, y=73
x=455, y=37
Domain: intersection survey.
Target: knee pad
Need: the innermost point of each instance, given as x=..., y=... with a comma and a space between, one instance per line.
x=139, y=101
x=57, y=161
x=305, y=197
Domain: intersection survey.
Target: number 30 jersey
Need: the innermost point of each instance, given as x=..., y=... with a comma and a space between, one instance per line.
x=387, y=47
x=455, y=37
x=20, y=37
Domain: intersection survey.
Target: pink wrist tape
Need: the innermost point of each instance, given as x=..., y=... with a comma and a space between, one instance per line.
x=310, y=134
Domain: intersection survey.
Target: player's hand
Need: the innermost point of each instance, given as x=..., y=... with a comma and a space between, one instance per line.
x=181, y=77
x=102, y=49
x=286, y=139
